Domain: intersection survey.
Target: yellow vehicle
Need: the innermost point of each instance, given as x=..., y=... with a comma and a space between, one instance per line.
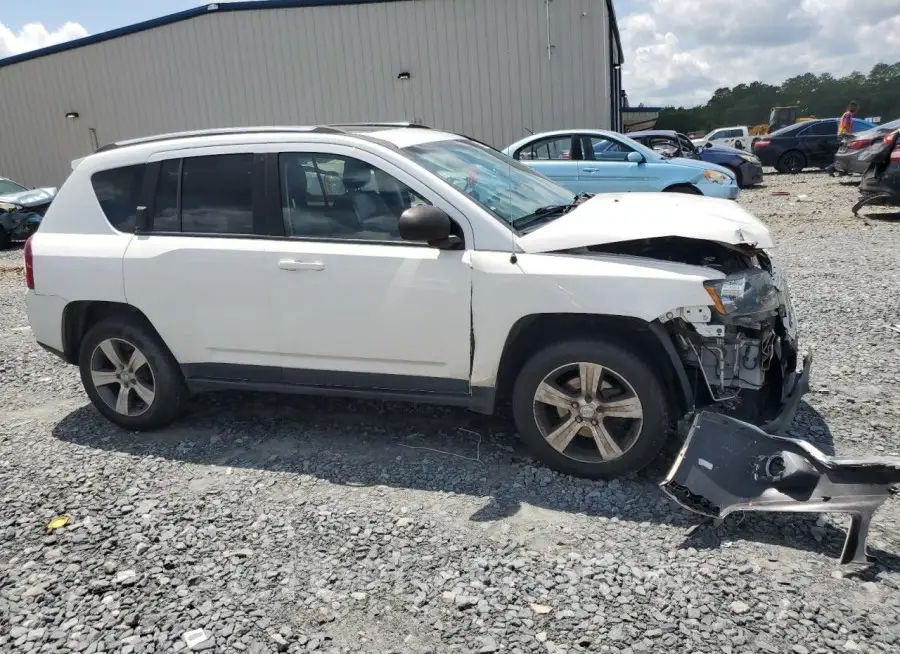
x=780, y=117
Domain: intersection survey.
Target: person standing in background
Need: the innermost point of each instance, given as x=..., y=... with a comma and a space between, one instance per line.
x=845, y=127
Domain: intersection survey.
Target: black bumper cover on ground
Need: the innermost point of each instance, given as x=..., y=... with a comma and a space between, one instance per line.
x=727, y=465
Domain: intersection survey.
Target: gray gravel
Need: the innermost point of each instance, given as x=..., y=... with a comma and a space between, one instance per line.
x=284, y=524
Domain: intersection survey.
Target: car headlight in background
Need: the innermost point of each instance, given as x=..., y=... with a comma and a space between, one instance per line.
x=747, y=293
x=717, y=178
x=749, y=157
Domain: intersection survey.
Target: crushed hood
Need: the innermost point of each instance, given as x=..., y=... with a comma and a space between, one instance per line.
x=35, y=197
x=619, y=217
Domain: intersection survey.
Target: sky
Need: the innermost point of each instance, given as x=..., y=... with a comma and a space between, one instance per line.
x=677, y=52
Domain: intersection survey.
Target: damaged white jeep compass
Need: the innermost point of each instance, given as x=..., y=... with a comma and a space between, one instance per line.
x=400, y=262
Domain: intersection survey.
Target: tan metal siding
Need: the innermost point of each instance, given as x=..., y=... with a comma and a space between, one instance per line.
x=479, y=67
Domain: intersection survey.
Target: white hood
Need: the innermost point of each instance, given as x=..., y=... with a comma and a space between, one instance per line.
x=618, y=217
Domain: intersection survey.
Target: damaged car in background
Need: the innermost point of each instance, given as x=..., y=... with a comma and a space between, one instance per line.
x=21, y=210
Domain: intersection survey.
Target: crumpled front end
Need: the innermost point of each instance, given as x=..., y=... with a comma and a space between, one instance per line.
x=742, y=351
x=21, y=213
x=727, y=465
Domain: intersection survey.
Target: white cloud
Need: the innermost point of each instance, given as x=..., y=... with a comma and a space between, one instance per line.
x=680, y=51
x=34, y=35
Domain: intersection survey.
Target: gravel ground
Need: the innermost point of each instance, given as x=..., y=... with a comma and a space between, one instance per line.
x=272, y=524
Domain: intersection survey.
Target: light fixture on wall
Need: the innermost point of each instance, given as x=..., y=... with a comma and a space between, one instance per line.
x=72, y=115
x=403, y=76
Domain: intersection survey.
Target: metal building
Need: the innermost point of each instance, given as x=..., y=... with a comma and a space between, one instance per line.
x=491, y=69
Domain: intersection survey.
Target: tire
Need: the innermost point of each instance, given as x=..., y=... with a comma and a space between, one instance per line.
x=159, y=374
x=5, y=239
x=739, y=145
x=624, y=378
x=737, y=176
x=791, y=162
x=684, y=188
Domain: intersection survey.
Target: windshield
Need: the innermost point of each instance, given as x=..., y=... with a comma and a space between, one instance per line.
x=8, y=186
x=891, y=126
x=498, y=183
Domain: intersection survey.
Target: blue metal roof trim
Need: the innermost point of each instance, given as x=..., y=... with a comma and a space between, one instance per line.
x=638, y=110
x=187, y=14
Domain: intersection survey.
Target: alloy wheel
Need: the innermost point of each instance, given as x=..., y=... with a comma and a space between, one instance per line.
x=122, y=377
x=588, y=412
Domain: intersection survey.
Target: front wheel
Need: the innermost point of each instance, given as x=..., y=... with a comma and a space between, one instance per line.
x=590, y=409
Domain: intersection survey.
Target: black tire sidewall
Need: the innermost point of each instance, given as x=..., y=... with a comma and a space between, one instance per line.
x=787, y=157
x=639, y=374
x=170, y=387
x=5, y=239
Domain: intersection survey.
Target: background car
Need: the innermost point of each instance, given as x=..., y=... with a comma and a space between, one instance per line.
x=21, y=210
x=731, y=137
x=809, y=144
x=855, y=152
x=600, y=161
x=669, y=143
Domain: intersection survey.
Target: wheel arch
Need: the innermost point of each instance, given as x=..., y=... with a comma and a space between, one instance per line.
x=78, y=317
x=683, y=187
x=648, y=340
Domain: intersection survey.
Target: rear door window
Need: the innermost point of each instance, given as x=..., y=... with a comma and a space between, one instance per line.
x=205, y=195
x=118, y=191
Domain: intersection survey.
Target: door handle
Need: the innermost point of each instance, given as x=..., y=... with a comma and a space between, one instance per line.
x=589, y=170
x=294, y=265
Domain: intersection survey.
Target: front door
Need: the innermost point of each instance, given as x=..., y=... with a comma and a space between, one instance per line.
x=354, y=305
x=606, y=169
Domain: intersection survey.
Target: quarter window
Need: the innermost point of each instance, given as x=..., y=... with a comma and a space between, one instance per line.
x=336, y=197
x=205, y=195
x=118, y=191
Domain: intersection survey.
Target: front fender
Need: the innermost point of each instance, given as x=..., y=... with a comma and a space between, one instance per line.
x=503, y=292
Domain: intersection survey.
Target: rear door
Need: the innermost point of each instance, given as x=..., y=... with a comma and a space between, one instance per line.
x=820, y=142
x=554, y=157
x=199, y=275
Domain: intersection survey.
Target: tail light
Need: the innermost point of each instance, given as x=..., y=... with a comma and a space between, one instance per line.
x=762, y=143
x=29, y=264
x=859, y=145
x=895, y=154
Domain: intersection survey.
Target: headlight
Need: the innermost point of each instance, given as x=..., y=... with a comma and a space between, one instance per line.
x=750, y=158
x=746, y=293
x=715, y=177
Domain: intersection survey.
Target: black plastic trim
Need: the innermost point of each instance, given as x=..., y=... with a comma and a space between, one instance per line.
x=324, y=379
x=53, y=350
x=684, y=385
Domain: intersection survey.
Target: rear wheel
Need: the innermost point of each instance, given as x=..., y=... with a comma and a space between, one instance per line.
x=791, y=162
x=130, y=376
x=590, y=409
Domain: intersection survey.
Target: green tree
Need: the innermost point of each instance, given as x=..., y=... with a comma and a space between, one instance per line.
x=877, y=93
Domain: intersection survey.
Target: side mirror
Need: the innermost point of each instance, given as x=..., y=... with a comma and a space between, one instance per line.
x=141, y=220
x=708, y=144
x=635, y=157
x=429, y=224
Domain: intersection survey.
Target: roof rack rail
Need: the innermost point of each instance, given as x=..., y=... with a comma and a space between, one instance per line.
x=380, y=124
x=216, y=131
x=221, y=131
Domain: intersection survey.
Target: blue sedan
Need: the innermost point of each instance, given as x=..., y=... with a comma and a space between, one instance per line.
x=669, y=143
x=600, y=161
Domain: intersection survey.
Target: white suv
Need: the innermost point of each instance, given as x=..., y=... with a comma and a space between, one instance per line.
x=404, y=263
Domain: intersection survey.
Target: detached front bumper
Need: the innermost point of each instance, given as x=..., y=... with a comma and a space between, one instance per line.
x=727, y=465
